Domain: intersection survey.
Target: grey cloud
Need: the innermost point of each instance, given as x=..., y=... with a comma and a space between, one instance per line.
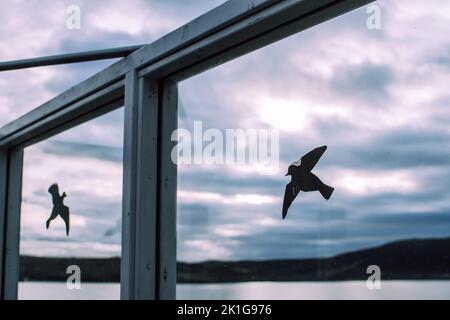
x=85, y=150
x=441, y=60
x=400, y=148
x=220, y=181
x=193, y=214
x=430, y=218
x=367, y=80
x=328, y=239
x=405, y=148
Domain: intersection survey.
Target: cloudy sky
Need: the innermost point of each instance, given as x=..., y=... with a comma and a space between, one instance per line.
x=378, y=98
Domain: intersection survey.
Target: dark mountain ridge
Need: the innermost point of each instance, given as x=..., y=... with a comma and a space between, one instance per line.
x=418, y=259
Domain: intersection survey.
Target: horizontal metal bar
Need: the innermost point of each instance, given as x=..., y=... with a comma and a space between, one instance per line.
x=75, y=57
x=211, y=57
x=232, y=29
x=204, y=25
x=84, y=110
x=263, y=28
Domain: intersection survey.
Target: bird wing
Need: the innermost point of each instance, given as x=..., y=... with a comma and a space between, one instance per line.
x=310, y=159
x=289, y=195
x=65, y=215
x=54, y=191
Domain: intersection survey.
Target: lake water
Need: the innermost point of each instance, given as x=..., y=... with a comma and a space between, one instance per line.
x=253, y=290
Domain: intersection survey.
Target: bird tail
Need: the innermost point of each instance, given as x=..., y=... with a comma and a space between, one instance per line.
x=326, y=191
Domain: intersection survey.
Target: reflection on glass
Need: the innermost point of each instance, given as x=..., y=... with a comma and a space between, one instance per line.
x=82, y=262
x=377, y=99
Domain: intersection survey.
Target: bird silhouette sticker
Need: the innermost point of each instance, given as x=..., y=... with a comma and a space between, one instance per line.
x=59, y=209
x=302, y=179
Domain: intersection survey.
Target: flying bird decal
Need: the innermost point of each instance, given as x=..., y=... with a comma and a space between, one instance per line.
x=302, y=179
x=59, y=209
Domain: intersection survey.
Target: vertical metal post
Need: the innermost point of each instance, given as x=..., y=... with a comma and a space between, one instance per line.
x=129, y=187
x=12, y=224
x=3, y=195
x=138, y=274
x=149, y=190
x=166, y=242
x=146, y=189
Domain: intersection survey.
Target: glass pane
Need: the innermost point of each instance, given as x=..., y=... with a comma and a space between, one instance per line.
x=70, y=237
x=375, y=92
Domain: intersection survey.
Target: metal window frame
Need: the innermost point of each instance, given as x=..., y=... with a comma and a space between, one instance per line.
x=145, y=82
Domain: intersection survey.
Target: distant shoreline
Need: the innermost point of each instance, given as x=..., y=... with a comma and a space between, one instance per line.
x=425, y=259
